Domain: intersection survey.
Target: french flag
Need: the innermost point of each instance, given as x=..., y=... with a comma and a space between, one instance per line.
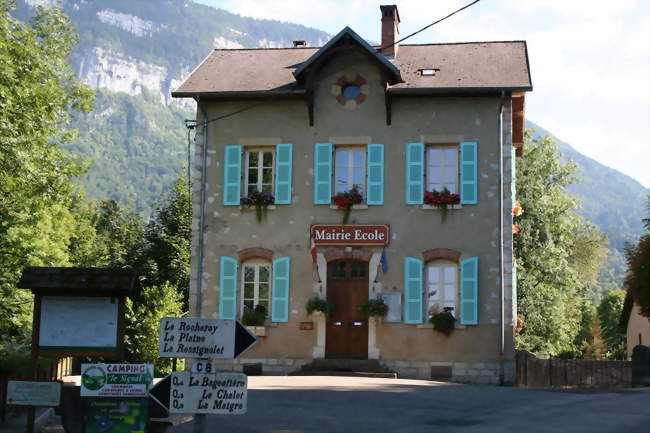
x=313, y=249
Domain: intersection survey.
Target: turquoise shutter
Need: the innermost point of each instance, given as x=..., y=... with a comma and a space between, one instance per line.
x=469, y=291
x=375, y=174
x=280, y=291
x=232, y=176
x=468, y=173
x=283, y=161
x=322, y=173
x=414, y=173
x=412, y=290
x=228, y=288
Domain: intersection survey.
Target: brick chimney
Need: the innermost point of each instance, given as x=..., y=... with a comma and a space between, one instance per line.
x=389, y=30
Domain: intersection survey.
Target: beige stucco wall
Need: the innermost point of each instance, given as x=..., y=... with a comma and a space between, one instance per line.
x=638, y=328
x=473, y=230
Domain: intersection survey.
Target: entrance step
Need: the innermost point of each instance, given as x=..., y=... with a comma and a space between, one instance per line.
x=344, y=374
x=346, y=367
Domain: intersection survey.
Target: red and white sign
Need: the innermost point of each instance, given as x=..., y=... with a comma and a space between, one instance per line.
x=367, y=235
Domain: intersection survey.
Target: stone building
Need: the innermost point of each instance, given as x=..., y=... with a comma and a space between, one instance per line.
x=395, y=124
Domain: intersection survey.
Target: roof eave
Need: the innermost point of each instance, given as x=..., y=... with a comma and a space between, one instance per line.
x=365, y=45
x=455, y=90
x=249, y=94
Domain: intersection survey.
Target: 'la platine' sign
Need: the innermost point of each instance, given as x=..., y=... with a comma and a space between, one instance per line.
x=368, y=235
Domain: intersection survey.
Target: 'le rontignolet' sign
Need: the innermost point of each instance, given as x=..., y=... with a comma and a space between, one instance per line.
x=369, y=235
x=193, y=337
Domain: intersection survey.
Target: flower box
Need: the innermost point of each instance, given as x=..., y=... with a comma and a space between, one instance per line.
x=259, y=331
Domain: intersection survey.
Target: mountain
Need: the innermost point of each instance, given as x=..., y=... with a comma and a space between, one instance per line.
x=613, y=201
x=135, y=52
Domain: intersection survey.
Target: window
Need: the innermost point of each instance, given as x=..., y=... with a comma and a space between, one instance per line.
x=442, y=168
x=259, y=170
x=266, y=169
x=441, y=288
x=350, y=169
x=256, y=285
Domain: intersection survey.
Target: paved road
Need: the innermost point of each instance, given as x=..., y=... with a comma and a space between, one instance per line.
x=303, y=404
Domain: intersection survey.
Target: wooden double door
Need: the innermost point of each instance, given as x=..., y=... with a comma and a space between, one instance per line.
x=347, y=329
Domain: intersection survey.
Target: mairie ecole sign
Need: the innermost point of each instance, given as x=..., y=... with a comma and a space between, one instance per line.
x=369, y=235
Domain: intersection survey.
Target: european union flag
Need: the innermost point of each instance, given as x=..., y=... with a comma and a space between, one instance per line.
x=384, y=262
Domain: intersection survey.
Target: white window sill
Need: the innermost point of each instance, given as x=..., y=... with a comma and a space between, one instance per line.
x=258, y=331
x=252, y=207
x=449, y=207
x=354, y=206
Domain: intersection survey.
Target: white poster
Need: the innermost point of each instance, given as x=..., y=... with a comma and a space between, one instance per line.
x=116, y=380
x=78, y=322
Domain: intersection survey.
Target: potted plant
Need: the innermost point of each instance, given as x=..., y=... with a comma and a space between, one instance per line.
x=254, y=319
x=374, y=308
x=441, y=200
x=444, y=321
x=318, y=305
x=346, y=199
x=261, y=201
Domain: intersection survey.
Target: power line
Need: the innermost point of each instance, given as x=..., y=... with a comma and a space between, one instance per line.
x=426, y=27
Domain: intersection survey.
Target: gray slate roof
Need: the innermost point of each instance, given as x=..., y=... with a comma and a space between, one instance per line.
x=471, y=66
x=83, y=281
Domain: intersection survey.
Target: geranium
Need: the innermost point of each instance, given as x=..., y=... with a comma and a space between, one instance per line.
x=261, y=200
x=346, y=199
x=517, y=210
x=441, y=199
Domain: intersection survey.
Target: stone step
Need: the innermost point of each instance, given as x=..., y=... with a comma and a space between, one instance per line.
x=388, y=375
x=346, y=365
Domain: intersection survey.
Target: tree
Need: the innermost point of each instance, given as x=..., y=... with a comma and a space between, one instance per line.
x=38, y=92
x=637, y=281
x=143, y=318
x=169, y=236
x=609, y=314
x=558, y=254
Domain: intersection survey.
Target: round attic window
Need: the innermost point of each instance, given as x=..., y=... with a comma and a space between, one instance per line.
x=350, y=90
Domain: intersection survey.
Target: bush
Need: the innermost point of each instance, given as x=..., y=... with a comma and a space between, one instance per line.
x=443, y=322
x=254, y=317
x=374, y=308
x=318, y=304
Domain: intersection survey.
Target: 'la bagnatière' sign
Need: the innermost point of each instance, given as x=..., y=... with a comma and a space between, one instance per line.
x=368, y=235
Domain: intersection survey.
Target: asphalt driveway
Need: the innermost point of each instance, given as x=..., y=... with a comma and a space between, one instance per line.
x=323, y=404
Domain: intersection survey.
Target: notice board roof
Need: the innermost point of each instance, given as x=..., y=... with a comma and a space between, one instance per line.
x=81, y=281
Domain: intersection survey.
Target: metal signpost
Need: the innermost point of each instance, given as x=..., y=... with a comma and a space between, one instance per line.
x=202, y=390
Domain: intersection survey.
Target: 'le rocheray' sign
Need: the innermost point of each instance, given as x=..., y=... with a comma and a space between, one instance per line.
x=192, y=337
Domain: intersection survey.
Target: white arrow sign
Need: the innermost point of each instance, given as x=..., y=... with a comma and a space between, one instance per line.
x=191, y=337
x=221, y=393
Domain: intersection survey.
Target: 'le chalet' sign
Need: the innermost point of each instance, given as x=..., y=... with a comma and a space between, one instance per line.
x=368, y=235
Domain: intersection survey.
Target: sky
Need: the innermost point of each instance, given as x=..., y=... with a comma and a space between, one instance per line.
x=589, y=59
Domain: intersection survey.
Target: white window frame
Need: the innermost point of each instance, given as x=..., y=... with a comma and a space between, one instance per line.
x=260, y=168
x=256, y=264
x=429, y=181
x=441, y=298
x=350, y=169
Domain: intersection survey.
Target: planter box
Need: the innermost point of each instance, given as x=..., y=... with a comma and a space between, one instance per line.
x=259, y=331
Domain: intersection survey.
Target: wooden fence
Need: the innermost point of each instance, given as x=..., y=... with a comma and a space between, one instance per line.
x=577, y=373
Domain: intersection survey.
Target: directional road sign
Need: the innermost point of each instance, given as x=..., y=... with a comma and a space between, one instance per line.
x=191, y=337
x=220, y=393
